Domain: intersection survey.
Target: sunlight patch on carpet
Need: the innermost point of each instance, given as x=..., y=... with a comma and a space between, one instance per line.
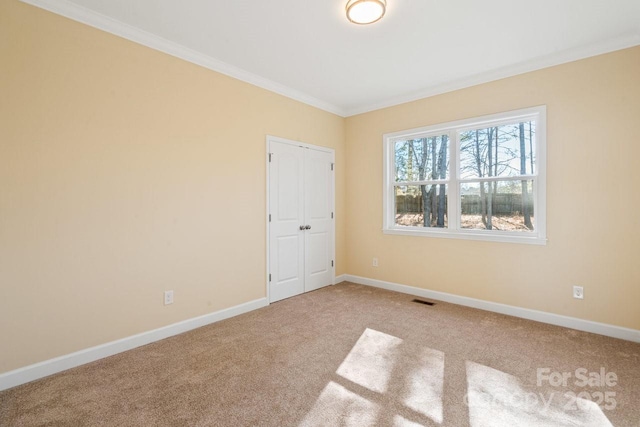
x=381, y=368
x=338, y=406
x=370, y=362
x=425, y=383
x=400, y=421
x=497, y=399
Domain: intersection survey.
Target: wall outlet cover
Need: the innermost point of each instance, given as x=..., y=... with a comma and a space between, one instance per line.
x=578, y=292
x=168, y=297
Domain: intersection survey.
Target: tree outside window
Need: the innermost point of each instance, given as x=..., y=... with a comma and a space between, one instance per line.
x=479, y=178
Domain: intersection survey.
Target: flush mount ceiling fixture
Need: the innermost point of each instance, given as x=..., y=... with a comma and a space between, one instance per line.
x=365, y=11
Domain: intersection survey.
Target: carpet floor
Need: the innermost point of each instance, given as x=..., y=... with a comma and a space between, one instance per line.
x=349, y=355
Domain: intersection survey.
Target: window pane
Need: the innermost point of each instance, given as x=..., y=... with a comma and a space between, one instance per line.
x=415, y=203
x=499, y=205
x=423, y=159
x=506, y=150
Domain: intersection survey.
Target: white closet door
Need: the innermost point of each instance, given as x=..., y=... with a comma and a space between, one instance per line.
x=318, y=208
x=301, y=229
x=286, y=203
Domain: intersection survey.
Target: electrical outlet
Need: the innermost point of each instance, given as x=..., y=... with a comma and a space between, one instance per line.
x=375, y=262
x=578, y=292
x=168, y=297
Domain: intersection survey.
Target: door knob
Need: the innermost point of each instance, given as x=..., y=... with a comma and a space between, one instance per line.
x=307, y=227
x=302, y=227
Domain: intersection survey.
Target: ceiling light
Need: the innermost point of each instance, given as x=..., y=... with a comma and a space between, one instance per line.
x=365, y=11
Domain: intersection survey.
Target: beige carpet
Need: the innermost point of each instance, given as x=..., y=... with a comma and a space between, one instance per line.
x=348, y=355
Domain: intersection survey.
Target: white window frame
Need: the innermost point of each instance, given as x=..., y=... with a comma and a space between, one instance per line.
x=538, y=236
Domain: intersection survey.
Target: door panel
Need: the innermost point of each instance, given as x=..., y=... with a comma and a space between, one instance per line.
x=286, y=240
x=288, y=249
x=318, y=186
x=289, y=199
x=318, y=244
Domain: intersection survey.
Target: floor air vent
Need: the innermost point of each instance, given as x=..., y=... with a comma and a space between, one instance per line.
x=419, y=301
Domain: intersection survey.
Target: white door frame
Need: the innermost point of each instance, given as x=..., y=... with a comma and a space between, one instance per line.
x=270, y=139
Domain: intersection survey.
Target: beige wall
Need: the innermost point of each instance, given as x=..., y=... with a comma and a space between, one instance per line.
x=125, y=172
x=593, y=120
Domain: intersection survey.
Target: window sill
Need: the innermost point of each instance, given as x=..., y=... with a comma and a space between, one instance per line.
x=488, y=236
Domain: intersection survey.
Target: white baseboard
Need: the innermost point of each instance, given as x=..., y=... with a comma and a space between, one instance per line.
x=68, y=361
x=48, y=367
x=525, y=313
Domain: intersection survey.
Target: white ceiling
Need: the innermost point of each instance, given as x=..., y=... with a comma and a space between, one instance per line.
x=307, y=50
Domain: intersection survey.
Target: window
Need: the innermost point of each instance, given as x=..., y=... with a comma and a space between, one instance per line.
x=480, y=178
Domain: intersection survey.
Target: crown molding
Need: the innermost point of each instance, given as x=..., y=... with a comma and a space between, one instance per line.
x=94, y=19
x=558, y=58
x=102, y=22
